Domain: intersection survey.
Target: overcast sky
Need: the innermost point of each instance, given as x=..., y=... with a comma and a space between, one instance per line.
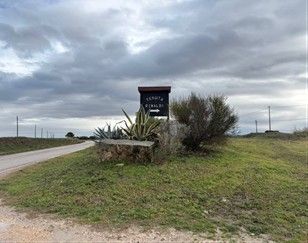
x=72, y=65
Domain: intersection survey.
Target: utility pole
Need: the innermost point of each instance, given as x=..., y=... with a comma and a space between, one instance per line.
x=35, y=131
x=16, y=126
x=47, y=134
x=41, y=132
x=256, y=126
x=269, y=119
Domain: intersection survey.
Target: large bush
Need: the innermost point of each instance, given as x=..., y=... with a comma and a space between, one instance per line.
x=208, y=119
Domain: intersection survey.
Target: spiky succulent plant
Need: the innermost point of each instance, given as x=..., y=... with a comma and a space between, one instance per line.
x=144, y=127
x=109, y=133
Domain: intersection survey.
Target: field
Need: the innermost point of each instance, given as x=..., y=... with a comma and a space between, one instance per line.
x=11, y=145
x=256, y=184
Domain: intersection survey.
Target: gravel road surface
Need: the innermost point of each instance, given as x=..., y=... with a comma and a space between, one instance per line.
x=23, y=228
x=12, y=162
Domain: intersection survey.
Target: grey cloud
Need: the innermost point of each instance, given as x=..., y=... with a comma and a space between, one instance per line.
x=231, y=47
x=26, y=41
x=175, y=57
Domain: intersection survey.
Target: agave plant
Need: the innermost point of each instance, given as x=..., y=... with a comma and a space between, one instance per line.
x=109, y=133
x=143, y=129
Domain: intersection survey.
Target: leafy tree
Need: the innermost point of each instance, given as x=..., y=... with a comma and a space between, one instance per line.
x=208, y=119
x=70, y=135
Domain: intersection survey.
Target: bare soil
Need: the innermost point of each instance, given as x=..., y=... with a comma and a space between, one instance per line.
x=21, y=227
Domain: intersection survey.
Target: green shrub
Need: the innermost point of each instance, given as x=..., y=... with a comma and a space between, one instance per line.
x=301, y=133
x=70, y=135
x=208, y=119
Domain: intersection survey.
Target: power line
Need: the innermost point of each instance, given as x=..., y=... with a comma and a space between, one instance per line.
x=287, y=105
x=265, y=109
x=278, y=120
x=254, y=112
x=298, y=119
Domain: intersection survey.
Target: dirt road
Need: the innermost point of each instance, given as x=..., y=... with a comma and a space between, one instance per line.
x=20, y=227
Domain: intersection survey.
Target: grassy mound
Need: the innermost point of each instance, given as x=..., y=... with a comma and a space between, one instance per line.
x=253, y=183
x=11, y=145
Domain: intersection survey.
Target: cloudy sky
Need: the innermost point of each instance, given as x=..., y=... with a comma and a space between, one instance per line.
x=72, y=65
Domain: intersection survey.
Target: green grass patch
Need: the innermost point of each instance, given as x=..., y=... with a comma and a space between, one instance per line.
x=11, y=145
x=255, y=183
